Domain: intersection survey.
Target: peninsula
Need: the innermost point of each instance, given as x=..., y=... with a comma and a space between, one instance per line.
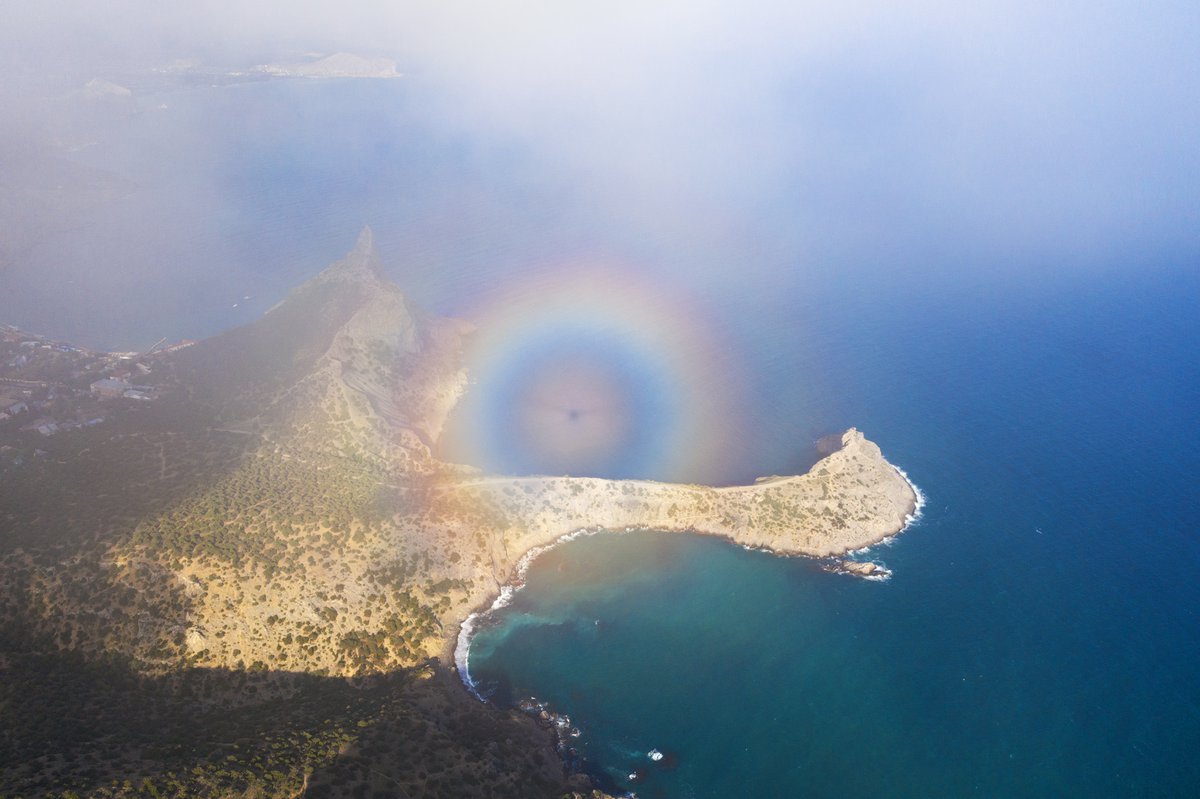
x=276, y=518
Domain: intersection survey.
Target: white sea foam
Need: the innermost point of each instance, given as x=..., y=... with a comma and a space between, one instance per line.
x=469, y=626
x=466, y=631
x=753, y=548
x=462, y=653
x=919, y=507
x=881, y=575
x=887, y=542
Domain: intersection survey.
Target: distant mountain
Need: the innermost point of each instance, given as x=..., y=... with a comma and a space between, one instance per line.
x=338, y=65
x=100, y=89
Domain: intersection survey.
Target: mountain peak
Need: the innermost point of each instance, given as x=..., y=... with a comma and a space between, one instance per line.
x=362, y=262
x=366, y=241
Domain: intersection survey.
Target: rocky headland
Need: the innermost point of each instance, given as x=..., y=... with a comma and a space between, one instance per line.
x=850, y=499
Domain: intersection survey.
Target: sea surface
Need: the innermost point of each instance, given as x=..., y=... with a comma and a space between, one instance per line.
x=1040, y=635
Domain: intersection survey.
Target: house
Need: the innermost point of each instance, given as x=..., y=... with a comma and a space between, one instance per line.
x=12, y=407
x=187, y=342
x=44, y=425
x=109, y=387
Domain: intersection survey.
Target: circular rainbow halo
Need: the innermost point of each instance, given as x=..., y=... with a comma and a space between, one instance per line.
x=596, y=371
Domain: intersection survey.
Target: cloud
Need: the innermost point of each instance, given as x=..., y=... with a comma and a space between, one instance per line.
x=844, y=131
x=738, y=154
x=1019, y=129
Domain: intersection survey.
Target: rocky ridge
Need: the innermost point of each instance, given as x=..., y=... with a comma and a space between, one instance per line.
x=291, y=516
x=468, y=531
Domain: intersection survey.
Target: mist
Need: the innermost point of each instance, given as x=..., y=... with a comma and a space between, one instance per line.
x=739, y=154
x=711, y=142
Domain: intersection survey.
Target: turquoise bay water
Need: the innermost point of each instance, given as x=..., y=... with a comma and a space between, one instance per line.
x=1039, y=637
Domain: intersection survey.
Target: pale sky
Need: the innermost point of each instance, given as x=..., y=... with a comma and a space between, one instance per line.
x=926, y=135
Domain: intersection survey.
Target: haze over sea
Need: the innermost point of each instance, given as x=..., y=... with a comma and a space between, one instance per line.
x=1039, y=637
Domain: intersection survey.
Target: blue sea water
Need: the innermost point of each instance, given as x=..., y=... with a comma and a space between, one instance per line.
x=1040, y=636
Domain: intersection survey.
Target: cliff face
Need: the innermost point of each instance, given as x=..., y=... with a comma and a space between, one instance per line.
x=343, y=360
x=394, y=368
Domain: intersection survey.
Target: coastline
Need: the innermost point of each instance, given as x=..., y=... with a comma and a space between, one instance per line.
x=919, y=500
x=469, y=625
x=456, y=649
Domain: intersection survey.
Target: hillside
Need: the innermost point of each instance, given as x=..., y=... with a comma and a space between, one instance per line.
x=271, y=559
